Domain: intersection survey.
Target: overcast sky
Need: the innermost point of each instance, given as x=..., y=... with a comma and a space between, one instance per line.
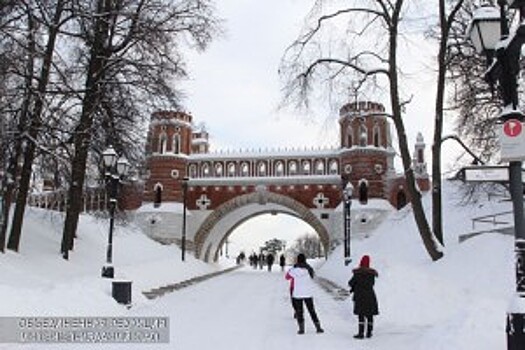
x=235, y=90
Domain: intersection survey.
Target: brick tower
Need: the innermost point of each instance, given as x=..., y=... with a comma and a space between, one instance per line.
x=366, y=152
x=168, y=146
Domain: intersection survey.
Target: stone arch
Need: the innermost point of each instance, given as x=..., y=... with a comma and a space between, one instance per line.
x=207, y=254
x=289, y=205
x=239, y=223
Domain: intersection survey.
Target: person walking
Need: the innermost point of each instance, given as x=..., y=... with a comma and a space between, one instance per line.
x=302, y=276
x=269, y=261
x=282, y=262
x=261, y=260
x=365, y=300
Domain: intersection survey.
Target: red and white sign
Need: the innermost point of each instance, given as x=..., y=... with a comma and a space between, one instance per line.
x=512, y=128
x=512, y=140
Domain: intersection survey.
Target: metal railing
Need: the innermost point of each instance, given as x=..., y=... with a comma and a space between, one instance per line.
x=492, y=219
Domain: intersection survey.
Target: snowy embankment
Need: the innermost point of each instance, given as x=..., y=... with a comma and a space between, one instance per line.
x=458, y=302
x=38, y=282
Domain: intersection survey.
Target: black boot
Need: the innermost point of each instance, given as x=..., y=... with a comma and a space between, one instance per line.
x=318, y=328
x=369, y=329
x=361, y=331
x=301, y=328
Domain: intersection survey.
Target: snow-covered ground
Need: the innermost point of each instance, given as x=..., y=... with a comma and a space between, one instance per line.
x=456, y=303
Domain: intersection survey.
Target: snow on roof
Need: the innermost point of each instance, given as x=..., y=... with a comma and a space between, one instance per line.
x=268, y=153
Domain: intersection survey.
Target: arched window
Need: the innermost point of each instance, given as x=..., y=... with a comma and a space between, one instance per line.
x=334, y=167
x=244, y=169
x=218, y=170
x=376, y=135
x=261, y=169
x=163, y=143
x=319, y=167
x=292, y=168
x=193, y=171
x=363, y=192
x=279, y=169
x=363, y=135
x=420, y=156
x=306, y=167
x=176, y=143
x=231, y=170
x=157, y=201
x=205, y=170
x=349, y=137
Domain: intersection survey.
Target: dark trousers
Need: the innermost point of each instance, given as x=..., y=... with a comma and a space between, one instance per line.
x=367, y=321
x=299, y=310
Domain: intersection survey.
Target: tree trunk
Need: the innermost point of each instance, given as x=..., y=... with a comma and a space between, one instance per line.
x=35, y=124
x=13, y=170
x=82, y=136
x=415, y=195
x=437, y=218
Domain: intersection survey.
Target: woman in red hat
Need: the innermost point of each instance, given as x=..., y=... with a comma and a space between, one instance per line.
x=365, y=301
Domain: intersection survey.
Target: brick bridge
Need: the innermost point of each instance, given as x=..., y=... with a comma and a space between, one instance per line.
x=223, y=190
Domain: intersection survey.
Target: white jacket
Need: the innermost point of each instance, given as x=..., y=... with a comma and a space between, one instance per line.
x=303, y=284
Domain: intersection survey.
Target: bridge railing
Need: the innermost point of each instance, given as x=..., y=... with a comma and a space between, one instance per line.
x=93, y=200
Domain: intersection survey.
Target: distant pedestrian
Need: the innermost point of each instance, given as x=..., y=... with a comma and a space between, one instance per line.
x=269, y=261
x=282, y=262
x=302, y=276
x=365, y=300
x=261, y=261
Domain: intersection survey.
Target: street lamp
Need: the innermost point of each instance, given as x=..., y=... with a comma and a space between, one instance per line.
x=503, y=70
x=183, y=236
x=347, y=199
x=115, y=170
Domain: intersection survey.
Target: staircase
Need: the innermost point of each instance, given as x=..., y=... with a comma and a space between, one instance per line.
x=160, y=291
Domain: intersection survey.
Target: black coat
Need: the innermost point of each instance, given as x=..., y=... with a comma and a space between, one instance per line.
x=362, y=285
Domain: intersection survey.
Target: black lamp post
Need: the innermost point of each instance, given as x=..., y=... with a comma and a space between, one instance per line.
x=489, y=33
x=115, y=170
x=183, y=236
x=347, y=199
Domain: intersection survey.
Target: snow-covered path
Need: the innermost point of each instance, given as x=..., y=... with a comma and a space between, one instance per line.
x=250, y=309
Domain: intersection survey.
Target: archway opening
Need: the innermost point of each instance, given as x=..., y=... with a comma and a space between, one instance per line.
x=401, y=199
x=258, y=234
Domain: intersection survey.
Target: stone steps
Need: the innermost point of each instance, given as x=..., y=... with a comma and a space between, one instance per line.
x=161, y=291
x=337, y=292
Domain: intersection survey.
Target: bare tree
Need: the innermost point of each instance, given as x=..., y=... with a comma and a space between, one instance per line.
x=443, y=62
x=128, y=53
x=373, y=30
x=309, y=244
x=37, y=102
x=477, y=105
x=132, y=45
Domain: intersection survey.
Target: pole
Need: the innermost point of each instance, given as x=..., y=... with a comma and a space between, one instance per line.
x=108, y=270
x=183, y=240
x=347, y=220
x=516, y=315
x=109, y=254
